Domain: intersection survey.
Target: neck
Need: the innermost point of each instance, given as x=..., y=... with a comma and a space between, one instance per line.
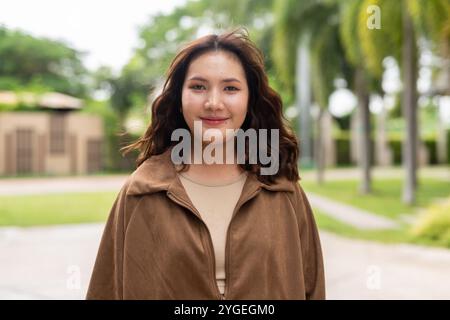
x=214, y=172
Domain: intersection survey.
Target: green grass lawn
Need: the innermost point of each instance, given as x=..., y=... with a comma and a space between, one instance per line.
x=386, y=197
x=35, y=210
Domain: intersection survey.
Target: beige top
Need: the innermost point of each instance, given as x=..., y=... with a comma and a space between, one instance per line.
x=216, y=204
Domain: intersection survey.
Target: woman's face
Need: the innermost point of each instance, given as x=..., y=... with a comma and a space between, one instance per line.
x=215, y=92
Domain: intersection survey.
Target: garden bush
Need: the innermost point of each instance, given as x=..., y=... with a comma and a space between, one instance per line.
x=434, y=224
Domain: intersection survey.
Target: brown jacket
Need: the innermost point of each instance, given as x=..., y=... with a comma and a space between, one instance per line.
x=156, y=246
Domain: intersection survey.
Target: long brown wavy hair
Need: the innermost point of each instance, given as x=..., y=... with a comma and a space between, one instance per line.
x=264, y=107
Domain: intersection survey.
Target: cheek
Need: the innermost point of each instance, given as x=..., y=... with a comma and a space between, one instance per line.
x=190, y=105
x=238, y=106
x=191, y=100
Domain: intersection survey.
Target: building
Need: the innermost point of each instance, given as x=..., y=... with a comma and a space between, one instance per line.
x=52, y=139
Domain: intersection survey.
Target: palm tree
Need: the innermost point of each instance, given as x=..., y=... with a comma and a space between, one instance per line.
x=403, y=22
x=362, y=79
x=314, y=25
x=327, y=59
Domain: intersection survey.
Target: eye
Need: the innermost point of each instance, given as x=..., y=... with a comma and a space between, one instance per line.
x=197, y=87
x=231, y=88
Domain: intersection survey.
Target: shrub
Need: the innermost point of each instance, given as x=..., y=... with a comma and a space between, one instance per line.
x=448, y=146
x=395, y=144
x=343, y=151
x=432, y=151
x=434, y=224
x=343, y=148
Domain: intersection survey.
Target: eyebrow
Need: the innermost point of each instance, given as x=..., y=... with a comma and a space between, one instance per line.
x=204, y=80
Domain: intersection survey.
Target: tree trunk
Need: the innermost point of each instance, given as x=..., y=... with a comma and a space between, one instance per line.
x=303, y=92
x=409, y=101
x=319, y=149
x=365, y=157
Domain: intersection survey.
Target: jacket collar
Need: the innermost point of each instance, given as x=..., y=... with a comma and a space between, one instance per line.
x=158, y=173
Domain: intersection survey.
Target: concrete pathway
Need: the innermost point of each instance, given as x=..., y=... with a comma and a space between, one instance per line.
x=56, y=263
x=434, y=172
x=357, y=269
x=356, y=217
x=24, y=186
x=47, y=262
x=17, y=186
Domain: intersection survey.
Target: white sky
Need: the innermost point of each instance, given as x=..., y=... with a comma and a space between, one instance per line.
x=105, y=29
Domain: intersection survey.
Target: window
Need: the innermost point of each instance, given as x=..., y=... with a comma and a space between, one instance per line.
x=24, y=150
x=94, y=155
x=57, y=134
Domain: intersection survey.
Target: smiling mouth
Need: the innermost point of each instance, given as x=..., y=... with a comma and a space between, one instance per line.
x=213, y=121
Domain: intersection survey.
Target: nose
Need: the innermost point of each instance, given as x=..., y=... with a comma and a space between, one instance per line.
x=214, y=100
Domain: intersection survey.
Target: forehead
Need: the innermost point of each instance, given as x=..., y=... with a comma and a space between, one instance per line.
x=216, y=63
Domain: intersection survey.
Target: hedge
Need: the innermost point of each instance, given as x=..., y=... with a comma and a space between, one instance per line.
x=342, y=141
x=434, y=224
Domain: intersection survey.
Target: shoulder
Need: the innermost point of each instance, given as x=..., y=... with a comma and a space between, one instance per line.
x=299, y=200
x=125, y=202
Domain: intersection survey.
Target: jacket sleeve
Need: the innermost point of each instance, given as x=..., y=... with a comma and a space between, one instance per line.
x=313, y=265
x=106, y=279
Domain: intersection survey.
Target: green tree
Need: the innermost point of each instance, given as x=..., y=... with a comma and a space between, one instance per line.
x=30, y=62
x=364, y=82
x=403, y=23
x=315, y=23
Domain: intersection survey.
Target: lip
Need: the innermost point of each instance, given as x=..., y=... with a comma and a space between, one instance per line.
x=213, y=120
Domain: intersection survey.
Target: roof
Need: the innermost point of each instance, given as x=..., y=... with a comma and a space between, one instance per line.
x=55, y=100
x=50, y=100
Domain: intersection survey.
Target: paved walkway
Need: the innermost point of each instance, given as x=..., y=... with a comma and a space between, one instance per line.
x=11, y=186
x=47, y=262
x=434, y=172
x=357, y=269
x=56, y=263
x=356, y=217
x=24, y=186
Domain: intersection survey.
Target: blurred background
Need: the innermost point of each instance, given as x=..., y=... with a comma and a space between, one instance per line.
x=365, y=84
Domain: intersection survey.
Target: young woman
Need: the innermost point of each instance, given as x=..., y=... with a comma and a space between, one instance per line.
x=221, y=230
